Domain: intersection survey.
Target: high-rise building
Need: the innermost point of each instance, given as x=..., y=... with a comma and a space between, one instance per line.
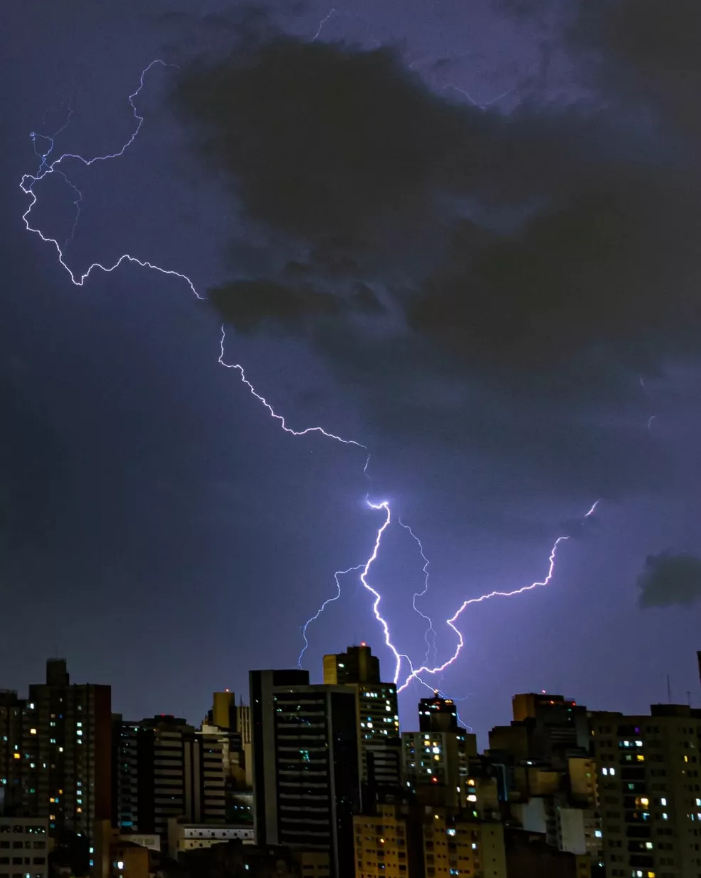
x=436, y=760
x=377, y=714
x=650, y=791
x=13, y=768
x=233, y=722
x=165, y=769
x=438, y=714
x=55, y=752
x=436, y=765
x=306, y=770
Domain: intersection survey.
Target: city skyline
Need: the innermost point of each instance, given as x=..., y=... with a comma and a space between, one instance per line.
x=150, y=498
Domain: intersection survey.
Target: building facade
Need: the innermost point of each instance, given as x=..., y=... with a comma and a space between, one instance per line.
x=166, y=769
x=377, y=714
x=650, y=791
x=24, y=847
x=55, y=752
x=306, y=767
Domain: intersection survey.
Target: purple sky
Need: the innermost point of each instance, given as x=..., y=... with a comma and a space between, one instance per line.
x=161, y=532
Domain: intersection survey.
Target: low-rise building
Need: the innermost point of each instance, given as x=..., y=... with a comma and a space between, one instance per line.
x=24, y=847
x=193, y=836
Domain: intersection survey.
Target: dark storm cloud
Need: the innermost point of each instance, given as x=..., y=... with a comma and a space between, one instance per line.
x=541, y=260
x=669, y=579
x=246, y=304
x=613, y=265
x=326, y=141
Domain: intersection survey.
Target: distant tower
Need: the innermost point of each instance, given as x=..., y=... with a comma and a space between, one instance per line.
x=438, y=714
x=356, y=665
x=377, y=714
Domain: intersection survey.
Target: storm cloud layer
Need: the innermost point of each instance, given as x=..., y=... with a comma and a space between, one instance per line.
x=548, y=256
x=669, y=579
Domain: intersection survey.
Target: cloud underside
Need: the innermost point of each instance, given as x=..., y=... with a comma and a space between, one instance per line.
x=668, y=579
x=552, y=253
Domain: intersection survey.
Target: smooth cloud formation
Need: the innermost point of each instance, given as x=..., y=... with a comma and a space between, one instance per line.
x=669, y=579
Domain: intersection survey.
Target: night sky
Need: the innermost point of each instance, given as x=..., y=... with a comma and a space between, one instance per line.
x=465, y=235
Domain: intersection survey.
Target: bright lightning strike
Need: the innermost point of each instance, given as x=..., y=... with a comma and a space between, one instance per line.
x=27, y=184
x=451, y=622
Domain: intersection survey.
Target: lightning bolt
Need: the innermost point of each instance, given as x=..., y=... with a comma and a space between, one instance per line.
x=322, y=608
x=451, y=622
x=280, y=418
x=27, y=184
x=430, y=643
x=323, y=21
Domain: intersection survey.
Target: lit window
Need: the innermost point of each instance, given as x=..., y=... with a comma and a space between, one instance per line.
x=472, y=798
x=451, y=832
x=597, y=833
x=32, y=731
x=17, y=756
x=665, y=816
x=663, y=801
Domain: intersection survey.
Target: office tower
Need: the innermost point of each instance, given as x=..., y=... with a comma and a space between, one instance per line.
x=305, y=759
x=56, y=759
x=650, y=791
x=377, y=714
x=438, y=715
x=165, y=769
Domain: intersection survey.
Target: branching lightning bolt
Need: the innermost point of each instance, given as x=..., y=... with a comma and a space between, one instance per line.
x=46, y=168
x=451, y=622
x=322, y=608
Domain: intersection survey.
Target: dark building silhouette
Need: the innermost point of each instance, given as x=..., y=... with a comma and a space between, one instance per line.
x=164, y=768
x=56, y=760
x=306, y=765
x=377, y=715
x=438, y=715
